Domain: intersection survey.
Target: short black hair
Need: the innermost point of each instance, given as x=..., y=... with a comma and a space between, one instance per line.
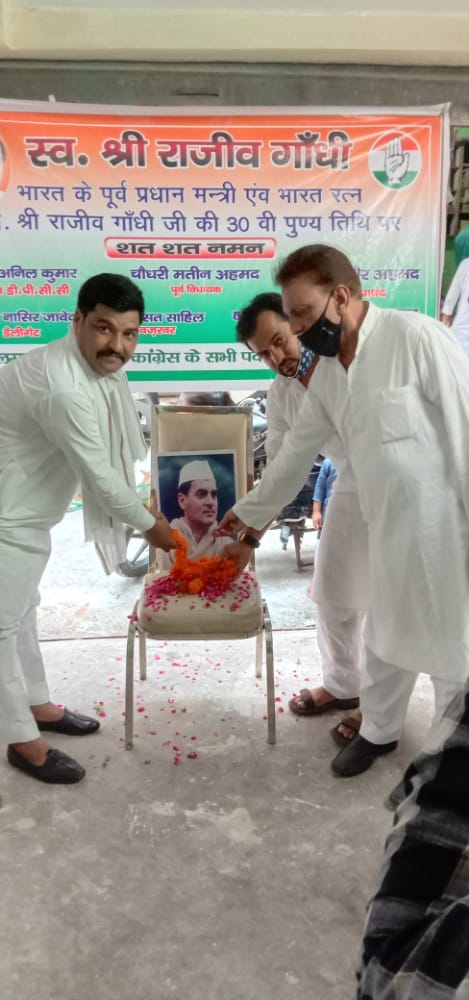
x=247, y=321
x=323, y=265
x=112, y=290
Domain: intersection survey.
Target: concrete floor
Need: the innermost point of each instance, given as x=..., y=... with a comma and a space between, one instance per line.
x=241, y=872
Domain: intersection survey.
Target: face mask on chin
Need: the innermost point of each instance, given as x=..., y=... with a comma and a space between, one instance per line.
x=304, y=362
x=323, y=337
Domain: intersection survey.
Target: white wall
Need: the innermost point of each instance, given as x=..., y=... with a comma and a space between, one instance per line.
x=264, y=6
x=406, y=32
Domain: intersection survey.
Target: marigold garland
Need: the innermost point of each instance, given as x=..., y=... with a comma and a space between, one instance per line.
x=193, y=576
x=208, y=578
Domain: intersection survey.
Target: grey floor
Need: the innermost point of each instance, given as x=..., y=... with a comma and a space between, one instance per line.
x=203, y=864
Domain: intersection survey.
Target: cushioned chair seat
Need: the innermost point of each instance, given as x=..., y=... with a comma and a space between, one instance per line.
x=238, y=613
x=241, y=613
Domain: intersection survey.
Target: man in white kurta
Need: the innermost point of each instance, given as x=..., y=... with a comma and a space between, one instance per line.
x=397, y=393
x=341, y=568
x=456, y=306
x=66, y=417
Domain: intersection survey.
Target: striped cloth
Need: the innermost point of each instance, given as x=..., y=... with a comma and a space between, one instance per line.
x=416, y=942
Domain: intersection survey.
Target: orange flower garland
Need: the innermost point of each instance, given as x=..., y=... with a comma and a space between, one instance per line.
x=193, y=576
x=207, y=580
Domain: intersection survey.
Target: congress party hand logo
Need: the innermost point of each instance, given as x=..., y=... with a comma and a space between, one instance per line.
x=395, y=160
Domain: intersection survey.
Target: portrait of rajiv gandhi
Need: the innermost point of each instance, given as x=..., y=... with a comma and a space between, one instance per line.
x=194, y=492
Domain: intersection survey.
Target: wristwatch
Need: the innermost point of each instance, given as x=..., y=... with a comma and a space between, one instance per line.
x=250, y=540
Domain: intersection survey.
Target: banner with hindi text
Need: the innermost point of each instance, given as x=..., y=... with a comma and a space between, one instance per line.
x=199, y=207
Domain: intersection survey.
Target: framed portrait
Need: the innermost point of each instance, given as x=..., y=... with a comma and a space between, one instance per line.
x=195, y=489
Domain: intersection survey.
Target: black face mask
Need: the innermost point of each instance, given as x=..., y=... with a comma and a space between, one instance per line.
x=323, y=337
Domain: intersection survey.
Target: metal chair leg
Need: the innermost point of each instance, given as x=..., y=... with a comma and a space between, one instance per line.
x=259, y=652
x=142, y=653
x=129, y=687
x=269, y=662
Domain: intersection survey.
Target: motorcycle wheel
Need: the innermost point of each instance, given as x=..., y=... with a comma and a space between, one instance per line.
x=136, y=563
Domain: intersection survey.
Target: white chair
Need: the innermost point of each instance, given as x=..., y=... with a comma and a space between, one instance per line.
x=198, y=429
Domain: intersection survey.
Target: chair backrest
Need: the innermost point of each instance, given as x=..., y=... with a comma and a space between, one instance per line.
x=202, y=429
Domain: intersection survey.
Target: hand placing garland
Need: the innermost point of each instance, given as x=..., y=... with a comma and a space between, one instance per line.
x=194, y=576
x=208, y=580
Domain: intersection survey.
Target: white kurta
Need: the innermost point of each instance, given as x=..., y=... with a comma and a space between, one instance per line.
x=402, y=413
x=341, y=567
x=51, y=440
x=55, y=430
x=457, y=301
x=340, y=581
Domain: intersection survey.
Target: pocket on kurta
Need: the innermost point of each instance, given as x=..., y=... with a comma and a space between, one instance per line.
x=395, y=418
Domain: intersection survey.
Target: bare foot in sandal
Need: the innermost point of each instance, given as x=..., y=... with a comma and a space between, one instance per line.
x=347, y=728
x=317, y=701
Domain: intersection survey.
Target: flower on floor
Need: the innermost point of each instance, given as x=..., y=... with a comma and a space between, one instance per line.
x=99, y=709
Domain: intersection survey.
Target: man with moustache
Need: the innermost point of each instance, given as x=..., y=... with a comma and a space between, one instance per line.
x=395, y=387
x=340, y=574
x=66, y=417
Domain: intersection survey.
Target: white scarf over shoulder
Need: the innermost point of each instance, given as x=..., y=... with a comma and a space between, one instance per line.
x=122, y=437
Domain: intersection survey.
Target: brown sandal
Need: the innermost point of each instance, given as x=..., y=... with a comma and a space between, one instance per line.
x=352, y=723
x=309, y=706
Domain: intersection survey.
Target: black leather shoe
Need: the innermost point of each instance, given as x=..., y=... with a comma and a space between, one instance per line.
x=358, y=756
x=71, y=724
x=58, y=769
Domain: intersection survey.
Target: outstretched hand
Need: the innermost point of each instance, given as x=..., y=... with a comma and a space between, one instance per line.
x=160, y=535
x=240, y=553
x=229, y=525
